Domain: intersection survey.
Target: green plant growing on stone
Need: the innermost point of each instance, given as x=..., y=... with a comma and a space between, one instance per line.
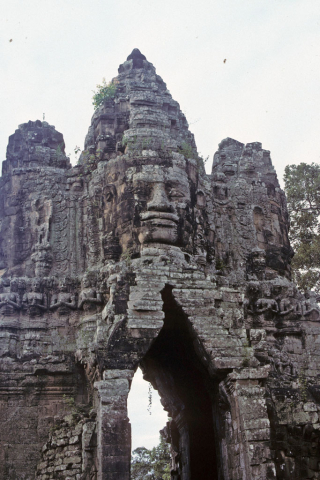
x=204, y=159
x=124, y=141
x=163, y=151
x=75, y=408
x=146, y=143
x=59, y=151
x=130, y=143
x=126, y=256
x=201, y=161
x=71, y=404
x=220, y=265
x=186, y=150
x=246, y=355
x=105, y=91
x=54, y=428
x=90, y=160
x=69, y=401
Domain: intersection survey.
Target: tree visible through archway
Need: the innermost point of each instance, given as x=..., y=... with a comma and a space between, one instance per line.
x=150, y=453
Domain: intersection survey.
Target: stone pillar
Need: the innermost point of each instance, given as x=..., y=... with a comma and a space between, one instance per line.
x=113, y=427
x=251, y=425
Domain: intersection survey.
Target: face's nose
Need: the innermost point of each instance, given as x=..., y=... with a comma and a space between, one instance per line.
x=159, y=201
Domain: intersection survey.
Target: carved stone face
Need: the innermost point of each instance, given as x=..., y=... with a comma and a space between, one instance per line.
x=63, y=286
x=85, y=282
x=8, y=343
x=31, y=345
x=36, y=285
x=291, y=292
x=258, y=260
x=42, y=257
x=247, y=166
x=150, y=200
x=164, y=199
x=266, y=290
x=227, y=168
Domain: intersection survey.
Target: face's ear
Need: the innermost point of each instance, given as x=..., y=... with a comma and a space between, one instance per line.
x=192, y=172
x=201, y=199
x=109, y=192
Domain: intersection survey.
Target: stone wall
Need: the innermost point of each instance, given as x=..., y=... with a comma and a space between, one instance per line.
x=137, y=257
x=69, y=451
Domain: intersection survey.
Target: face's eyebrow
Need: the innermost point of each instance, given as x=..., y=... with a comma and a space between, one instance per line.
x=149, y=177
x=179, y=185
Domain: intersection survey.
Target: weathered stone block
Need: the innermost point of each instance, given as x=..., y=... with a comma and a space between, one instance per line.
x=136, y=257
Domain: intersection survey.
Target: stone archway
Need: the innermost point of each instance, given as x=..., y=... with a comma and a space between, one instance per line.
x=175, y=328
x=85, y=281
x=187, y=392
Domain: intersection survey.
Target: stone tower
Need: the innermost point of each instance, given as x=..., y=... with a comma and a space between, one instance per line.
x=136, y=257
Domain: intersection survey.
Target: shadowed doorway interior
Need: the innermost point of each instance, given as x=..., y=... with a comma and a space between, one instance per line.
x=187, y=393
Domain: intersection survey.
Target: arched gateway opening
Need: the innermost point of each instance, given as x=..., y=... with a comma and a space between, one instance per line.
x=146, y=413
x=188, y=394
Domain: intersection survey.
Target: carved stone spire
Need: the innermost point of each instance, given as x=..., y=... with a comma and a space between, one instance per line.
x=142, y=114
x=35, y=144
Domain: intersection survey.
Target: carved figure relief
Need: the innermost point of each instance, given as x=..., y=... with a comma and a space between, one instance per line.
x=89, y=298
x=63, y=301
x=182, y=273
x=309, y=307
x=9, y=301
x=35, y=302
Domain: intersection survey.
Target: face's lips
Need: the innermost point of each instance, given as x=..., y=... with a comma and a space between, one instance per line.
x=165, y=218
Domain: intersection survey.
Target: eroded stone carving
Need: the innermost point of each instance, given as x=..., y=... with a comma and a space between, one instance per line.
x=136, y=257
x=9, y=301
x=89, y=297
x=63, y=301
x=35, y=302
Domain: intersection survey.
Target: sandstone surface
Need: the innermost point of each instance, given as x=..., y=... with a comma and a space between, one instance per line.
x=137, y=257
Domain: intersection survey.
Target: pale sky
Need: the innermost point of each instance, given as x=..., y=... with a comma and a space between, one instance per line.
x=146, y=420
x=267, y=90
x=53, y=53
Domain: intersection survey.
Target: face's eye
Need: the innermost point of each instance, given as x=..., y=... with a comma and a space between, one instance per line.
x=109, y=193
x=175, y=193
x=141, y=191
x=109, y=196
